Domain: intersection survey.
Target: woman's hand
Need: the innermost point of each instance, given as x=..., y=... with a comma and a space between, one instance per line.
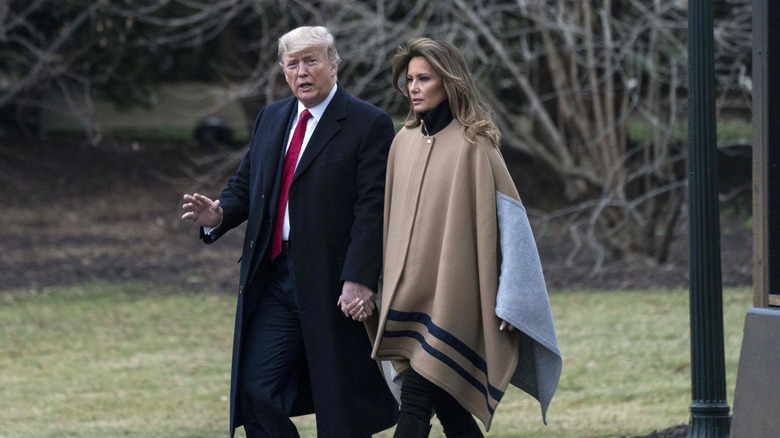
x=356, y=301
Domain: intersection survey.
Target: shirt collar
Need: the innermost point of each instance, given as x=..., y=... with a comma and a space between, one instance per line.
x=318, y=110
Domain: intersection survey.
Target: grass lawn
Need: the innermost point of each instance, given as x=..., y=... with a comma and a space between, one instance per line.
x=134, y=360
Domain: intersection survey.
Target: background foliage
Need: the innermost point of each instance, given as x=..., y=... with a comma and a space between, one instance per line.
x=590, y=94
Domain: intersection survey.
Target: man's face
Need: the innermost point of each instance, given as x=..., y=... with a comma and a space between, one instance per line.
x=309, y=75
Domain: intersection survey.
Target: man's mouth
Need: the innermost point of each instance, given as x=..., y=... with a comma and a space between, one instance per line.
x=306, y=86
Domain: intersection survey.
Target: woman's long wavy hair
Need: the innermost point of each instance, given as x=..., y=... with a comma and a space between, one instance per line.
x=461, y=88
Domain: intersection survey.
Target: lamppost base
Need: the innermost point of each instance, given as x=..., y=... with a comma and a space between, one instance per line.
x=709, y=420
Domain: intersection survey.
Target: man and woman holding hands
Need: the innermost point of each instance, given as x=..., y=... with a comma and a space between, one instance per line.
x=333, y=200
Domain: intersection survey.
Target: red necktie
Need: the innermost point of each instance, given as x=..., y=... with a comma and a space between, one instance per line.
x=290, y=161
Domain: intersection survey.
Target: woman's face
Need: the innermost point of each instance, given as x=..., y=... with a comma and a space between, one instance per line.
x=425, y=86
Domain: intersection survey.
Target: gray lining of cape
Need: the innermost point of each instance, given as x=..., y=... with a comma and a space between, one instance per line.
x=523, y=302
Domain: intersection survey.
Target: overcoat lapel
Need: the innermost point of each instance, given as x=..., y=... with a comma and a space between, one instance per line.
x=327, y=127
x=270, y=155
x=277, y=140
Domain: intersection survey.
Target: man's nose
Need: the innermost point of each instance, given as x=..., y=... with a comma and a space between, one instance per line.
x=302, y=69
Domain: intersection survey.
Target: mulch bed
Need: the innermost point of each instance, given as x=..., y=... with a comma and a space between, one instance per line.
x=680, y=431
x=76, y=212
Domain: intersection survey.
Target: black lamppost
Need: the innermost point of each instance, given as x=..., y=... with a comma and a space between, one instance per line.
x=709, y=410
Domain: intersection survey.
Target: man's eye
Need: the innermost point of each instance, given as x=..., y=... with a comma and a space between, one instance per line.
x=312, y=61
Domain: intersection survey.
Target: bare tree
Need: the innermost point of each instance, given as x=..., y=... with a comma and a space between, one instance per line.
x=592, y=90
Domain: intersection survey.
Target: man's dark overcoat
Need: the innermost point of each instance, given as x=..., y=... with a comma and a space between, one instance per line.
x=336, y=211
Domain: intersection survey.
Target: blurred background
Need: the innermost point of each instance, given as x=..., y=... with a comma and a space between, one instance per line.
x=590, y=98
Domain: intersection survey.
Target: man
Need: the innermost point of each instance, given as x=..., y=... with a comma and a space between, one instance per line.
x=312, y=253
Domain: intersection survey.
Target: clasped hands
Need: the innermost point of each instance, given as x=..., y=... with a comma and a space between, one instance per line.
x=356, y=301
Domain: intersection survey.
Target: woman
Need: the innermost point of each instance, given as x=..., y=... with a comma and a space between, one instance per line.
x=447, y=322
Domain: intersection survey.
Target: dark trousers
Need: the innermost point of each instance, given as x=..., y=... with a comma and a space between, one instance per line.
x=420, y=398
x=271, y=359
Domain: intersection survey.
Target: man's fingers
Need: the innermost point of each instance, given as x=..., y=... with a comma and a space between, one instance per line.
x=196, y=200
x=204, y=200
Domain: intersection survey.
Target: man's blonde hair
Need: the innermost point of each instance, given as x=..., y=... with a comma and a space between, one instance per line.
x=306, y=37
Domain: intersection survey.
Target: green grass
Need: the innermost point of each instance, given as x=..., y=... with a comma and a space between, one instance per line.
x=136, y=360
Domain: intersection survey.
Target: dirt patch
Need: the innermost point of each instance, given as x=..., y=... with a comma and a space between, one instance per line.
x=74, y=212
x=680, y=431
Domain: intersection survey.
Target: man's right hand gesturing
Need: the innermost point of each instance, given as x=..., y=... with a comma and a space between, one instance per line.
x=202, y=210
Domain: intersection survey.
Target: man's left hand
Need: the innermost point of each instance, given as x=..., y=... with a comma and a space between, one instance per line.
x=356, y=301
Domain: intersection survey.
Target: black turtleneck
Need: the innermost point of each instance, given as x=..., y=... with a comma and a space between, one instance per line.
x=436, y=119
